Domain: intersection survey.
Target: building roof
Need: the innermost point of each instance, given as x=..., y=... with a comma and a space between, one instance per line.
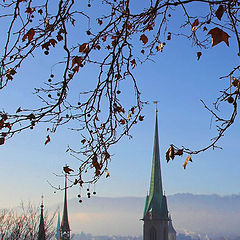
x=170, y=226
x=156, y=202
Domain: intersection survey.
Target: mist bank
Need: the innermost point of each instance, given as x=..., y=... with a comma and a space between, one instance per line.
x=192, y=214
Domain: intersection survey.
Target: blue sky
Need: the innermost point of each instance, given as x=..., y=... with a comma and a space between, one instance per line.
x=178, y=81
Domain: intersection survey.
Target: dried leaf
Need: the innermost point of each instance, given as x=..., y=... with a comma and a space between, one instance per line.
x=47, y=140
x=53, y=42
x=167, y=155
x=29, y=35
x=140, y=118
x=133, y=63
x=195, y=24
x=107, y=174
x=144, y=39
x=19, y=110
x=83, y=141
x=171, y=152
x=218, y=35
x=122, y=121
x=160, y=47
x=2, y=140
x=100, y=21
x=84, y=48
x=189, y=159
x=219, y=12
x=169, y=36
x=179, y=152
x=199, y=54
x=67, y=169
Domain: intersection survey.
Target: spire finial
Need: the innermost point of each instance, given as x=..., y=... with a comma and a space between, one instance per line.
x=156, y=102
x=42, y=201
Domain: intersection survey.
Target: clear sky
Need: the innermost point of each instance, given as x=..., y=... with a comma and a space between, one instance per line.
x=178, y=81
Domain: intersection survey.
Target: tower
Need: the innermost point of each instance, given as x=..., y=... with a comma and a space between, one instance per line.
x=171, y=230
x=65, y=229
x=155, y=215
x=41, y=230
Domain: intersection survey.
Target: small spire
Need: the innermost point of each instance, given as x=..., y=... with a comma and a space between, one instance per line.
x=41, y=230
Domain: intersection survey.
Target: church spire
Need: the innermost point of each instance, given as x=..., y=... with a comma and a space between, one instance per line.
x=41, y=230
x=155, y=202
x=57, y=235
x=65, y=229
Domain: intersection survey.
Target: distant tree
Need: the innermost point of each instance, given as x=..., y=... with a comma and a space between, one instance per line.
x=113, y=37
x=24, y=223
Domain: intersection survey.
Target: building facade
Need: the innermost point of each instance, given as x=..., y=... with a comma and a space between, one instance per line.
x=156, y=220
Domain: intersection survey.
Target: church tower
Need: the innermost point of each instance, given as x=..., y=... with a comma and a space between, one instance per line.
x=65, y=229
x=155, y=216
x=41, y=229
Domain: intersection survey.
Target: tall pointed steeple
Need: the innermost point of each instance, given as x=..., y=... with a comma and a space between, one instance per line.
x=155, y=201
x=155, y=215
x=65, y=229
x=41, y=230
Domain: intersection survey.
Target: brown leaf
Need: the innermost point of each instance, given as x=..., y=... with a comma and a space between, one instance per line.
x=144, y=39
x=30, y=10
x=53, y=42
x=84, y=48
x=83, y=141
x=100, y=21
x=160, y=47
x=107, y=174
x=169, y=36
x=179, y=152
x=171, y=152
x=218, y=35
x=219, y=12
x=133, y=63
x=199, y=54
x=195, y=23
x=140, y=118
x=47, y=140
x=122, y=121
x=29, y=35
x=2, y=140
x=167, y=155
x=189, y=159
x=59, y=37
x=76, y=60
x=67, y=169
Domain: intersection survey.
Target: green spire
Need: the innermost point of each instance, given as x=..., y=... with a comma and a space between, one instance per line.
x=57, y=235
x=156, y=204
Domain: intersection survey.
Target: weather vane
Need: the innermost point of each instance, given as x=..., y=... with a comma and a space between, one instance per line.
x=156, y=102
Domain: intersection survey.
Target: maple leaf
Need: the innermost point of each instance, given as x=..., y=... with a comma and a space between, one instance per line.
x=67, y=169
x=199, y=54
x=47, y=140
x=189, y=159
x=30, y=34
x=219, y=12
x=144, y=38
x=218, y=35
